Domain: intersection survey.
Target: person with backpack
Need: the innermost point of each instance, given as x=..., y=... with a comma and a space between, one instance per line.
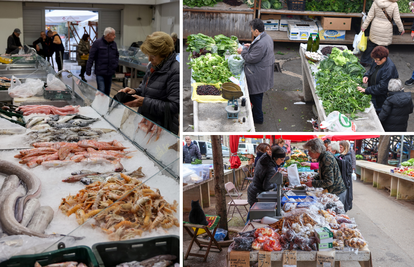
x=345, y=162
x=329, y=176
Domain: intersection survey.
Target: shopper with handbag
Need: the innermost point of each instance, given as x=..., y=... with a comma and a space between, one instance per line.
x=381, y=14
x=83, y=54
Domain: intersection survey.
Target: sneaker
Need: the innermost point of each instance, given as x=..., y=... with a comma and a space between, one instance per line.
x=409, y=82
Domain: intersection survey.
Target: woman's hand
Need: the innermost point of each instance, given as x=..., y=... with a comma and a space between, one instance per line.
x=362, y=29
x=402, y=33
x=128, y=90
x=305, y=164
x=309, y=183
x=365, y=79
x=239, y=50
x=362, y=90
x=138, y=102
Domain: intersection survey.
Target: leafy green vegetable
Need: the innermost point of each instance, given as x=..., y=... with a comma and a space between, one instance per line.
x=359, y=157
x=336, y=84
x=266, y=4
x=276, y=4
x=411, y=160
x=404, y=6
x=210, y=68
x=196, y=161
x=226, y=43
x=198, y=41
x=406, y=164
x=353, y=6
x=199, y=3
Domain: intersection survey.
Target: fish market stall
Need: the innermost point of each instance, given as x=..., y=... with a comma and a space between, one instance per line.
x=365, y=117
x=93, y=172
x=134, y=59
x=220, y=94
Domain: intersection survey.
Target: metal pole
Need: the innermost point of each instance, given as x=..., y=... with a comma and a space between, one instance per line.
x=402, y=148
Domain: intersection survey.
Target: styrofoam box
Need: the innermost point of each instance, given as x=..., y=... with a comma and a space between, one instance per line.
x=301, y=30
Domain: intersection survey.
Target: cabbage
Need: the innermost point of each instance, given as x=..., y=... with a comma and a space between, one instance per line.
x=266, y=5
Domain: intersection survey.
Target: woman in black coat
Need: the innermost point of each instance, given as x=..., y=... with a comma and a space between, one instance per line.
x=346, y=155
x=265, y=169
x=397, y=108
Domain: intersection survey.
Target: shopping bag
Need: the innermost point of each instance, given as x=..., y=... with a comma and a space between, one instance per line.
x=357, y=39
x=354, y=177
x=363, y=43
x=84, y=57
x=54, y=83
x=30, y=88
x=293, y=175
x=338, y=122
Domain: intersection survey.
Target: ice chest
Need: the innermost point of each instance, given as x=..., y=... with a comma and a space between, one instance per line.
x=300, y=204
x=271, y=22
x=302, y=30
x=261, y=209
x=329, y=23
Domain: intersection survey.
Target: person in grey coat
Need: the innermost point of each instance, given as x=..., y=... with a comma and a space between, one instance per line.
x=190, y=151
x=259, y=60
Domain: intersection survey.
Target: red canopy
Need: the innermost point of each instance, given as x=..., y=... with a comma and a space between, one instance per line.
x=293, y=138
x=234, y=147
x=338, y=137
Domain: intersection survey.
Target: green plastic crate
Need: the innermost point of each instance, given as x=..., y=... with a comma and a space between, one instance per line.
x=109, y=254
x=79, y=253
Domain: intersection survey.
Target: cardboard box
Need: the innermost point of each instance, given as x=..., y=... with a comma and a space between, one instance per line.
x=271, y=22
x=284, y=20
x=301, y=30
x=324, y=235
x=329, y=23
x=331, y=34
x=270, y=17
x=325, y=246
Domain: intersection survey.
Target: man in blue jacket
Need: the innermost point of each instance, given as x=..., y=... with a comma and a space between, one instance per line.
x=104, y=53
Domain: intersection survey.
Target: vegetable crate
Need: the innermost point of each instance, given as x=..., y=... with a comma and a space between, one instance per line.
x=299, y=5
x=79, y=254
x=113, y=253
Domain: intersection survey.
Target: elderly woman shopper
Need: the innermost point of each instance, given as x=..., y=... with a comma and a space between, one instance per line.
x=265, y=169
x=335, y=149
x=329, y=176
x=396, y=108
x=158, y=95
x=378, y=77
x=83, y=54
x=381, y=14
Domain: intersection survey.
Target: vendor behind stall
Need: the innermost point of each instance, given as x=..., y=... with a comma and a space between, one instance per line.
x=13, y=42
x=329, y=176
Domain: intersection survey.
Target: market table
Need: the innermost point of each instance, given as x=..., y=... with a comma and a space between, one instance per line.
x=212, y=117
x=366, y=122
x=400, y=186
x=135, y=81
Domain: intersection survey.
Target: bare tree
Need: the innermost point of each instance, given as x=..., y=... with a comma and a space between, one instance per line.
x=220, y=191
x=383, y=149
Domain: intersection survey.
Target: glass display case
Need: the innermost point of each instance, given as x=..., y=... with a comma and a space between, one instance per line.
x=132, y=55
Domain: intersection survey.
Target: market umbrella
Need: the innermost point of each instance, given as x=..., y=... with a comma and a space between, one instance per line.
x=338, y=137
x=234, y=159
x=59, y=16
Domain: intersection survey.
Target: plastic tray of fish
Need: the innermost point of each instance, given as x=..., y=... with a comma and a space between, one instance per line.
x=79, y=254
x=124, y=253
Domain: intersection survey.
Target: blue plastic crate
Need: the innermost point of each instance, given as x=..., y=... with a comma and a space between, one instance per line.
x=300, y=204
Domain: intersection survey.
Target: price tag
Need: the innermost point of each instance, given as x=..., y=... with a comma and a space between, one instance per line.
x=325, y=259
x=264, y=258
x=239, y=259
x=289, y=258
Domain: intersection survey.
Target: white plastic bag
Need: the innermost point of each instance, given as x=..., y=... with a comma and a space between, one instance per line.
x=54, y=83
x=354, y=177
x=293, y=175
x=236, y=65
x=30, y=88
x=357, y=39
x=337, y=122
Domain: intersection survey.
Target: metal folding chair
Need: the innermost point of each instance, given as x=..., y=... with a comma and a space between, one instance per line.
x=237, y=202
x=247, y=178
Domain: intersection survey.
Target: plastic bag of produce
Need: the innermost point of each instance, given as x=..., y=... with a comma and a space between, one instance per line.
x=220, y=234
x=54, y=83
x=30, y=88
x=337, y=122
x=236, y=63
x=357, y=39
x=243, y=243
x=293, y=175
x=362, y=45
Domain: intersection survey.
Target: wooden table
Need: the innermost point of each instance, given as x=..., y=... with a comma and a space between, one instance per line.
x=400, y=186
x=366, y=122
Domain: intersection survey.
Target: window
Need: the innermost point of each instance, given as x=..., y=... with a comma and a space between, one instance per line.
x=209, y=145
x=242, y=145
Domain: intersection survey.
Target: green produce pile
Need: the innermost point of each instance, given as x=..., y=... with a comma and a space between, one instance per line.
x=242, y=157
x=210, y=68
x=359, y=157
x=351, y=6
x=292, y=161
x=196, y=161
x=404, y=6
x=274, y=4
x=199, y=3
x=249, y=3
x=410, y=162
x=337, y=81
x=226, y=43
x=198, y=41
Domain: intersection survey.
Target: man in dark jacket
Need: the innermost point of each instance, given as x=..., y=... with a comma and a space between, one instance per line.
x=44, y=49
x=396, y=108
x=13, y=42
x=104, y=53
x=259, y=60
x=57, y=48
x=190, y=151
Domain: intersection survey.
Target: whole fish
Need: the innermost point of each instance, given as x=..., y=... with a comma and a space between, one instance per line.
x=31, y=181
x=29, y=209
x=9, y=185
x=65, y=118
x=56, y=163
x=78, y=177
x=41, y=219
x=151, y=261
x=35, y=120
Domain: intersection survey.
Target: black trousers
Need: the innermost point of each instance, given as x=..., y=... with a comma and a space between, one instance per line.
x=83, y=70
x=366, y=55
x=59, y=59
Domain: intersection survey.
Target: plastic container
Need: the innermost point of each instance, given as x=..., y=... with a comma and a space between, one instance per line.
x=300, y=204
x=299, y=5
x=262, y=209
x=79, y=253
x=112, y=253
x=57, y=94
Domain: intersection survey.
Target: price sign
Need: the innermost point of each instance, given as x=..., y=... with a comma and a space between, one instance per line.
x=239, y=259
x=325, y=259
x=264, y=258
x=289, y=258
